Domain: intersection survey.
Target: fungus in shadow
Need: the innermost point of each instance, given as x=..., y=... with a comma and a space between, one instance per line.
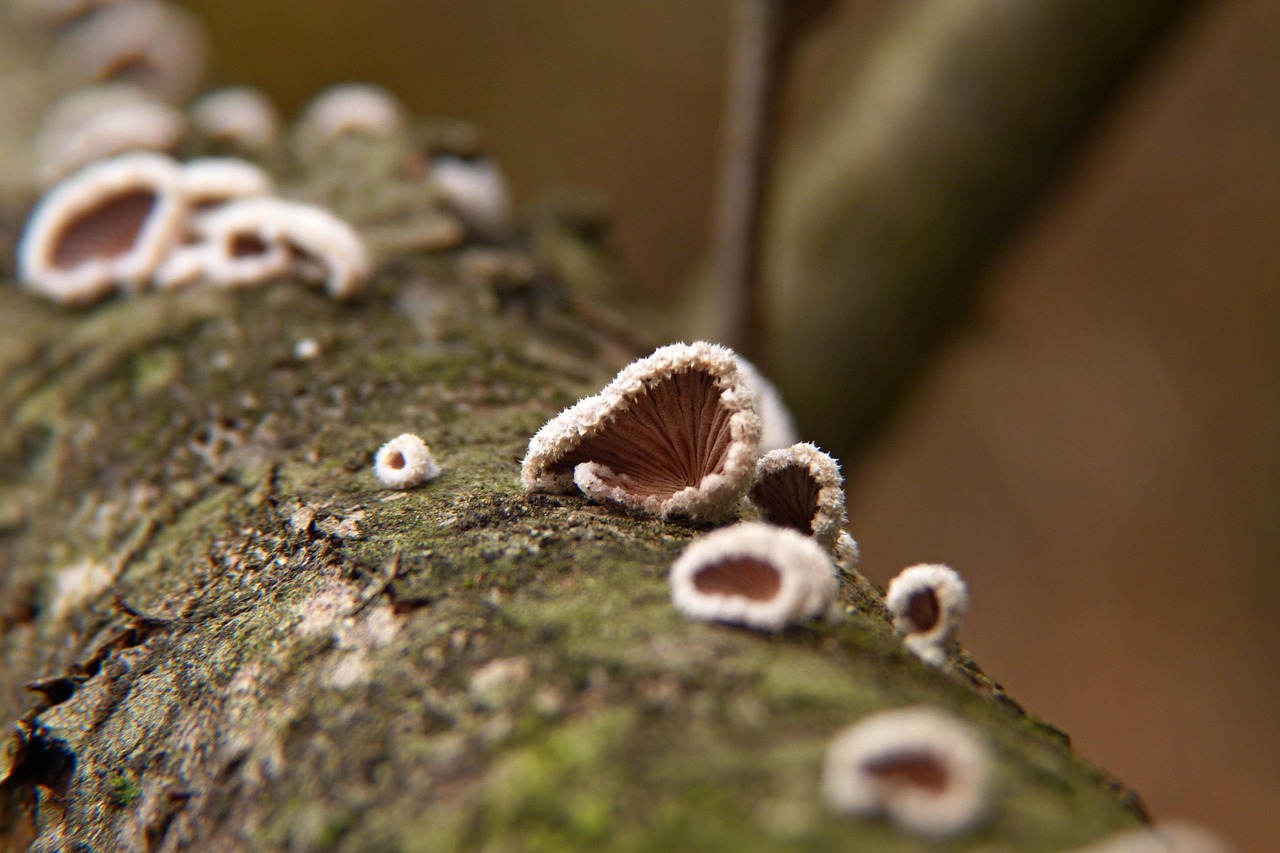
x=800, y=487
x=927, y=603
x=753, y=574
x=674, y=434
x=107, y=225
x=918, y=767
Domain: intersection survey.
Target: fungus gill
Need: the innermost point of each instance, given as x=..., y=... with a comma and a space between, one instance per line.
x=800, y=487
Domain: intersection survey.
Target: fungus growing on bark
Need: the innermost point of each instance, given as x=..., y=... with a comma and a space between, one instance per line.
x=923, y=770
x=251, y=241
x=777, y=428
x=473, y=187
x=753, y=574
x=405, y=461
x=103, y=121
x=160, y=47
x=352, y=108
x=107, y=225
x=673, y=434
x=927, y=602
x=237, y=115
x=800, y=487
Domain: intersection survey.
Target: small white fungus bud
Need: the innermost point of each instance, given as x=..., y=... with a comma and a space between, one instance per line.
x=920, y=768
x=927, y=602
x=474, y=188
x=352, y=108
x=239, y=115
x=405, y=461
x=753, y=574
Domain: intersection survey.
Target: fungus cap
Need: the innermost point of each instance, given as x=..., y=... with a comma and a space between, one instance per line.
x=927, y=601
x=674, y=434
x=109, y=224
x=103, y=121
x=753, y=574
x=777, y=427
x=258, y=239
x=239, y=115
x=800, y=487
x=211, y=181
x=925, y=771
x=405, y=461
x=156, y=45
x=347, y=108
x=474, y=188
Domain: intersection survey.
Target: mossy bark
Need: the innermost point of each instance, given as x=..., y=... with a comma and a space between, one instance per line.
x=233, y=638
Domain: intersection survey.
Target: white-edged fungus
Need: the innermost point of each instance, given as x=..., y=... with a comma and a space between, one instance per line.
x=212, y=181
x=108, y=225
x=250, y=241
x=473, y=187
x=777, y=427
x=405, y=461
x=927, y=602
x=237, y=115
x=673, y=434
x=753, y=574
x=155, y=45
x=352, y=108
x=99, y=122
x=920, y=768
x=800, y=487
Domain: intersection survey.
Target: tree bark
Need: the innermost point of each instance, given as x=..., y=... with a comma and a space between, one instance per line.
x=232, y=638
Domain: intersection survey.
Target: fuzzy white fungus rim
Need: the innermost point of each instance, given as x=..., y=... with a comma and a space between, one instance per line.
x=753, y=574
x=927, y=602
x=405, y=461
x=920, y=768
x=108, y=225
x=800, y=487
x=674, y=434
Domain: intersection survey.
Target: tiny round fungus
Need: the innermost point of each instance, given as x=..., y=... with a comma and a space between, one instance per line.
x=920, y=768
x=800, y=487
x=405, y=461
x=103, y=121
x=474, y=188
x=927, y=602
x=673, y=434
x=155, y=45
x=352, y=108
x=109, y=224
x=753, y=574
x=777, y=428
x=237, y=115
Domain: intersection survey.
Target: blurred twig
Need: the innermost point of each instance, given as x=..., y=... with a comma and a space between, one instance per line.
x=939, y=146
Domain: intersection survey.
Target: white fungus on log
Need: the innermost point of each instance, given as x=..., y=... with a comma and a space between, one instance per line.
x=674, y=434
x=352, y=108
x=237, y=115
x=405, y=461
x=777, y=427
x=927, y=601
x=756, y=575
x=921, y=769
x=108, y=225
x=800, y=487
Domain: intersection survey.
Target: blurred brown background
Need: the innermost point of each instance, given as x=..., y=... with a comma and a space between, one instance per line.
x=1097, y=453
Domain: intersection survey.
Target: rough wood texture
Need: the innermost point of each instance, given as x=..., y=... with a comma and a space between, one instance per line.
x=239, y=640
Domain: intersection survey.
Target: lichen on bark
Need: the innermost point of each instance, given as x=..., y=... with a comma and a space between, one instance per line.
x=237, y=639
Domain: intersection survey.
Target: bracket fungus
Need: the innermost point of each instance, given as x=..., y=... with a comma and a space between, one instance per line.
x=108, y=225
x=673, y=434
x=753, y=574
x=405, y=461
x=927, y=602
x=352, y=108
x=920, y=768
x=800, y=487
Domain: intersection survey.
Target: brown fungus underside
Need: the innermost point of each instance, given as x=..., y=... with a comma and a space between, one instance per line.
x=920, y=770
x=749, y=578
x=788, y=498
x=665, y=439
x=107, y=230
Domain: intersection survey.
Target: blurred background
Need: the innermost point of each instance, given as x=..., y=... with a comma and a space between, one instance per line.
x=1094, y=448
